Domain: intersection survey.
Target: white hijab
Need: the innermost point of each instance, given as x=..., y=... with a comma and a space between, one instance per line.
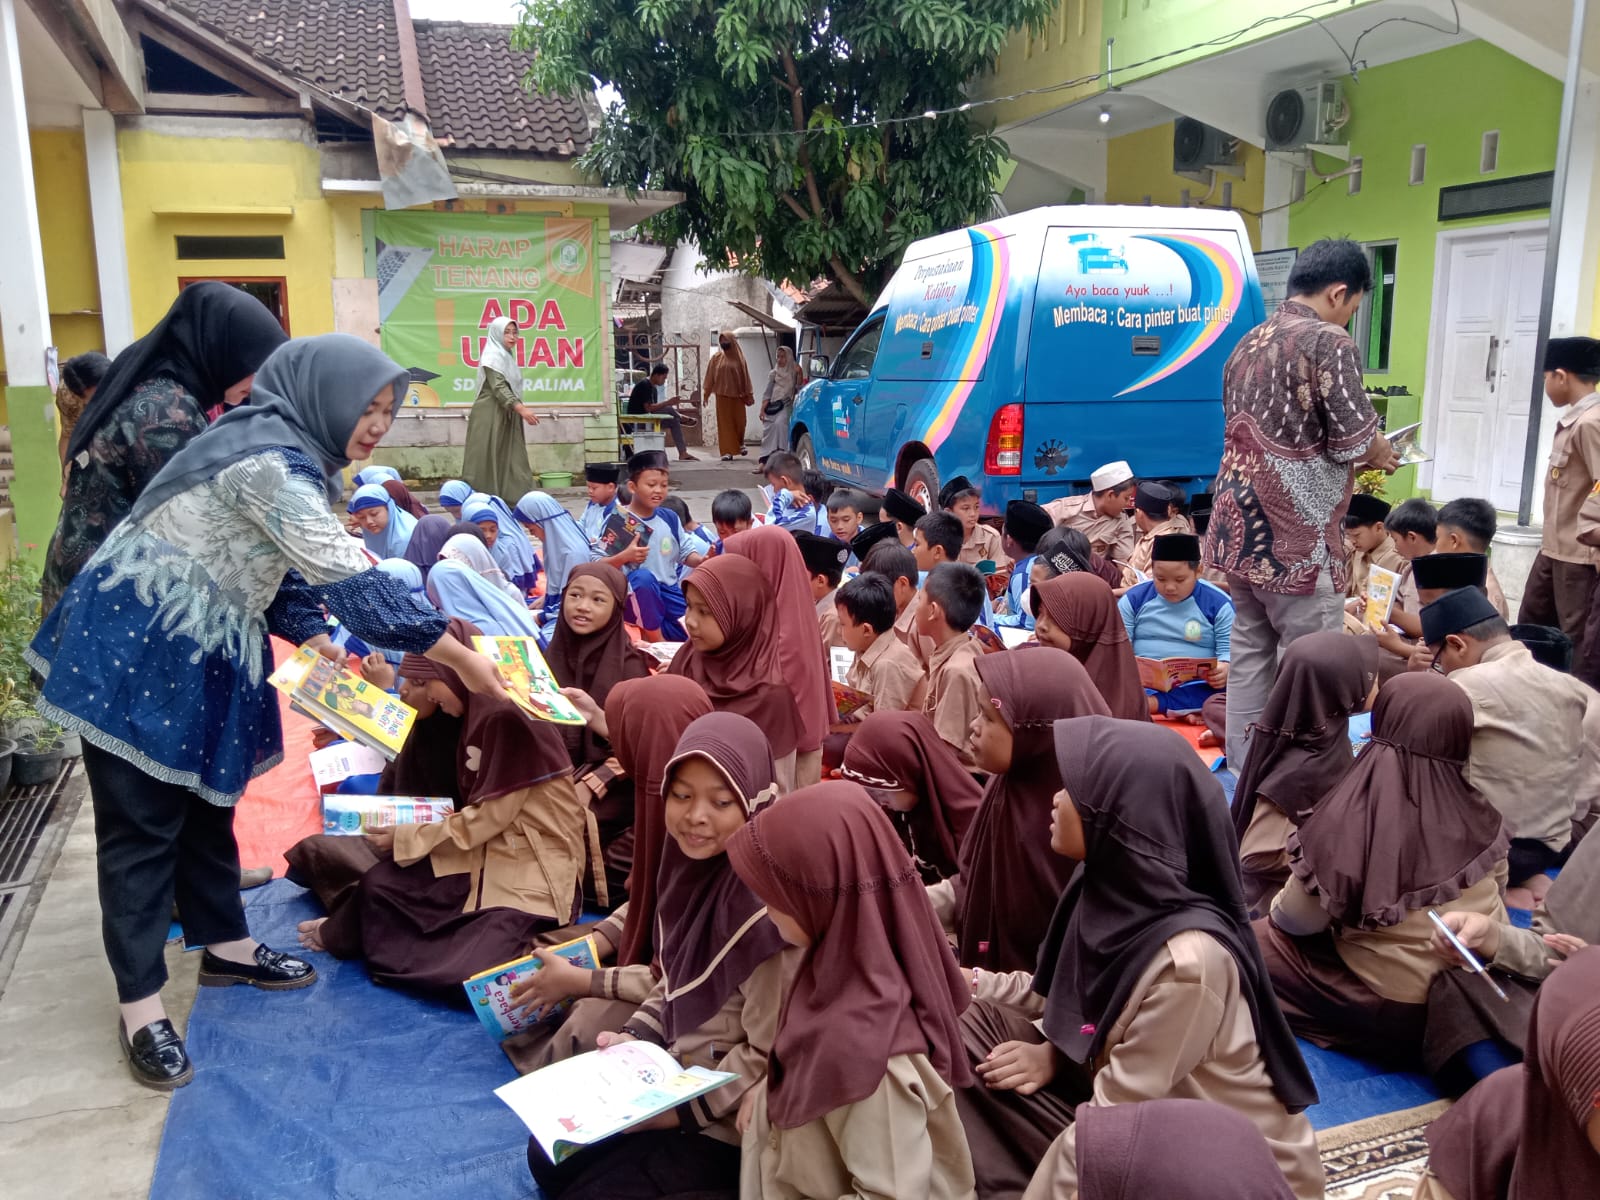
x=497, y=358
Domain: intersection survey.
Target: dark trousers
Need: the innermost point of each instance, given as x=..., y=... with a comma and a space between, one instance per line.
x=641, y=1166
x=158, y=842
x=1558, y=593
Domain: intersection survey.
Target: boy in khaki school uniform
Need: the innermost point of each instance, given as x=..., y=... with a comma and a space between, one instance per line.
x=1367, y=543
x=952, y=599
x=980, y=542
x=825, y=559
x=884, y=669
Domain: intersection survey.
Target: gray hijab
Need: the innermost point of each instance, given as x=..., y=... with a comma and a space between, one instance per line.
x=308, y=396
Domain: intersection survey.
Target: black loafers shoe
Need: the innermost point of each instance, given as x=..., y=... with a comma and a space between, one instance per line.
x=156, y=1056
x=272, y=971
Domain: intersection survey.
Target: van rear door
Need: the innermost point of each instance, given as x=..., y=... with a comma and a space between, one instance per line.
x=1130, y=331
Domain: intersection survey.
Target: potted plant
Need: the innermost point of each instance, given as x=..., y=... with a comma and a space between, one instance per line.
x=37, y=745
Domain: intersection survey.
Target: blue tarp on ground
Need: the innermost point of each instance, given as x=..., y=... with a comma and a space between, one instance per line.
x=351, y=1091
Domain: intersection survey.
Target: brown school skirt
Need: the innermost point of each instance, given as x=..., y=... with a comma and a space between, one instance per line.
x=330, y=866
x=578, y=1033
x=1463, y=1010
x=1007, y=1133
x=1329, y=1004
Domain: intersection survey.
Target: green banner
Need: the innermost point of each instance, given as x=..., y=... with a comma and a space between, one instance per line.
x=443, y=277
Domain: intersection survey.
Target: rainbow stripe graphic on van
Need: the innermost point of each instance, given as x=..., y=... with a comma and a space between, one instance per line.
x=1216, y=284
x=988, y=284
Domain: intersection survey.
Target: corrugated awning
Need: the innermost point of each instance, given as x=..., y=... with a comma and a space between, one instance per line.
x=761, y=318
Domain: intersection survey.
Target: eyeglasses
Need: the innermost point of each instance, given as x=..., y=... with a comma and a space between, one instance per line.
x=1436, y=664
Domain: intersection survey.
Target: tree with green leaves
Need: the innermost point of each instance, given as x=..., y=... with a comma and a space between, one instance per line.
x=783, y=122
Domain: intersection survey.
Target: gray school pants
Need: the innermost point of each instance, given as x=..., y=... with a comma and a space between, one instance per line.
x=1264, y=623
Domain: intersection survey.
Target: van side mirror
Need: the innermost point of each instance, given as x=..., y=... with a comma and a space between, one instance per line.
x=817, y=366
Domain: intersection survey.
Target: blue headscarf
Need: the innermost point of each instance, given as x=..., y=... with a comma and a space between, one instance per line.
x=454, y=492
x=375, y=475
x=565, y=546
x=390, y=541
x=459, y=591
x=513, y=549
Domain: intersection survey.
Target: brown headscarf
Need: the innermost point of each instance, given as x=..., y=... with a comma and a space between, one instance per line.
x=711, y=929
x=1300, y=746
x=1083, y=608
x=805, y=659
x=1521, y=1133
x=1160, y=859
x=878, y=979
x=727, y=374
x=595, y=662
x=1150, y=1148
x=1010, y=878
x=1404, y=830
x=902, y=751
x=746, y=673
x=646, y=717
x=502, y=749
x=403, y=499
x=426, y=764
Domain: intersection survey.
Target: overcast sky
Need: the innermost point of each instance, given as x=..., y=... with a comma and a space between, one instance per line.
x=504, y=11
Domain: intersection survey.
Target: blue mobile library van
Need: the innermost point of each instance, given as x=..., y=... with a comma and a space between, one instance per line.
x=1027, y=351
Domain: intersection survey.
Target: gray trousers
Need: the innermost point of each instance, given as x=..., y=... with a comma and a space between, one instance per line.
x=1264, y=623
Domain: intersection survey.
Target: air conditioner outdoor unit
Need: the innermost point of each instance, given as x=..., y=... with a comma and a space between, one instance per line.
x=1312, y=115
x=1198, y=148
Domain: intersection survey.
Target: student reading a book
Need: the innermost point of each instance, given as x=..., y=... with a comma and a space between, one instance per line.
x=723, y=971
x=1367, y=542
x=508, y=540
x=825, y=559
x=429, y=537
x=898, y=565
x=463, y=584
x=453, y=494
x=653, y=562
x=1149, y=982
x=566, y=547
x=643, y=720
x=1025, y=523
x=1467, y=525
x=1531, y=1131
x=858, y=1098
x=1153, y=516
x=386, y=528
x=1413, y=524
x=1176, y=614
x=1010, y=881
x=800, y=648
x=980, y=542
x=733, y=652
x=952, y=600
x=883, y=669
x=461, y=895
x=1348, y=942
x=1299, y=751
x=233, y=538
x=909, y=769
x=1077, y=612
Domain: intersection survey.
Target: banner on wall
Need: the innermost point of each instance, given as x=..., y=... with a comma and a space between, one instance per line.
x=444, y=277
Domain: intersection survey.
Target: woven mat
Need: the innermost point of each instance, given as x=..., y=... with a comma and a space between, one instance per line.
x=1380, y=1158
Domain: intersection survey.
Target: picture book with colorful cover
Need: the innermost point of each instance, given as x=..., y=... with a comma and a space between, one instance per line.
x=528, y=678
x=1164, y=674
x=620, y=529
x=848, y=700
x=1382, y=584
x=662, y=652
x=583, y=1100
x=489, y=992
x=351, y=816
x=344, y=702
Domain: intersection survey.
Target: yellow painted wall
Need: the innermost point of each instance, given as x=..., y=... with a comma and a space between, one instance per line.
x=1070, y=47
x=1140, y=165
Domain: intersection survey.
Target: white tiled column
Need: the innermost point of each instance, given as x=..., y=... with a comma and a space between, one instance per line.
x=110, y=242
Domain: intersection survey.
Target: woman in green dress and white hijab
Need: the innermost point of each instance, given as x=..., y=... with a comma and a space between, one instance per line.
x=496, y=457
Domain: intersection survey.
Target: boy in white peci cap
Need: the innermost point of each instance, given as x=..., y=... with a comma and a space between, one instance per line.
x=1102, y=515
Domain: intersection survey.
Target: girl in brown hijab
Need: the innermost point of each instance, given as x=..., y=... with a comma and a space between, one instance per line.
x=1348, y=940
x=858, y=1098
x=590, y=651
x=907, y=767
x=1153, y=985
x=458, y=896
x=722, y=973
x=643, y=720
x=1009, y=880
x=1531, y=1132
x=1078, y=613
x=1299, y=750
x=733, y=652
x=728, y=379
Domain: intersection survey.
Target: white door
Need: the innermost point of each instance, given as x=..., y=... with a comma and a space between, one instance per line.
x=1491, y=321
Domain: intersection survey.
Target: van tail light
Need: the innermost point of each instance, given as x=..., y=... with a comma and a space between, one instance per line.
x=1002, y=454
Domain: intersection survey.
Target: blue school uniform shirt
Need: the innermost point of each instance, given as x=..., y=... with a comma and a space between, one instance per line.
x=593, y=521
x=789, y=515
x=1018, y=614
x=1199, y=627
x=668, y=548
x=694, y=542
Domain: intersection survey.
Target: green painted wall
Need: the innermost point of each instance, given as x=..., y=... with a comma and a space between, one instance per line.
x=36, y=488
x=1447, y=101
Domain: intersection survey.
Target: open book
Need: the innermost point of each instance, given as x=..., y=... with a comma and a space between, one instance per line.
x=489, y=992
x=1382, y=584
x=1164, y=674
x=662, y=652
x=849, y=700
x=580, y=1101
x=528, y=678
x=351, y=816
x=344, y=702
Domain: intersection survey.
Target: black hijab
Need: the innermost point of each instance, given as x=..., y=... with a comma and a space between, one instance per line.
x=212, y=337
x=429, y=537
x=1161, y=858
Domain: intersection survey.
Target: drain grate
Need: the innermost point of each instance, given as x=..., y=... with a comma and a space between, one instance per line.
x=24, y=815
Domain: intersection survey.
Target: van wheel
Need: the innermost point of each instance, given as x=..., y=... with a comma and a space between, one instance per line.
x=922, y=483
x=806, y=452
